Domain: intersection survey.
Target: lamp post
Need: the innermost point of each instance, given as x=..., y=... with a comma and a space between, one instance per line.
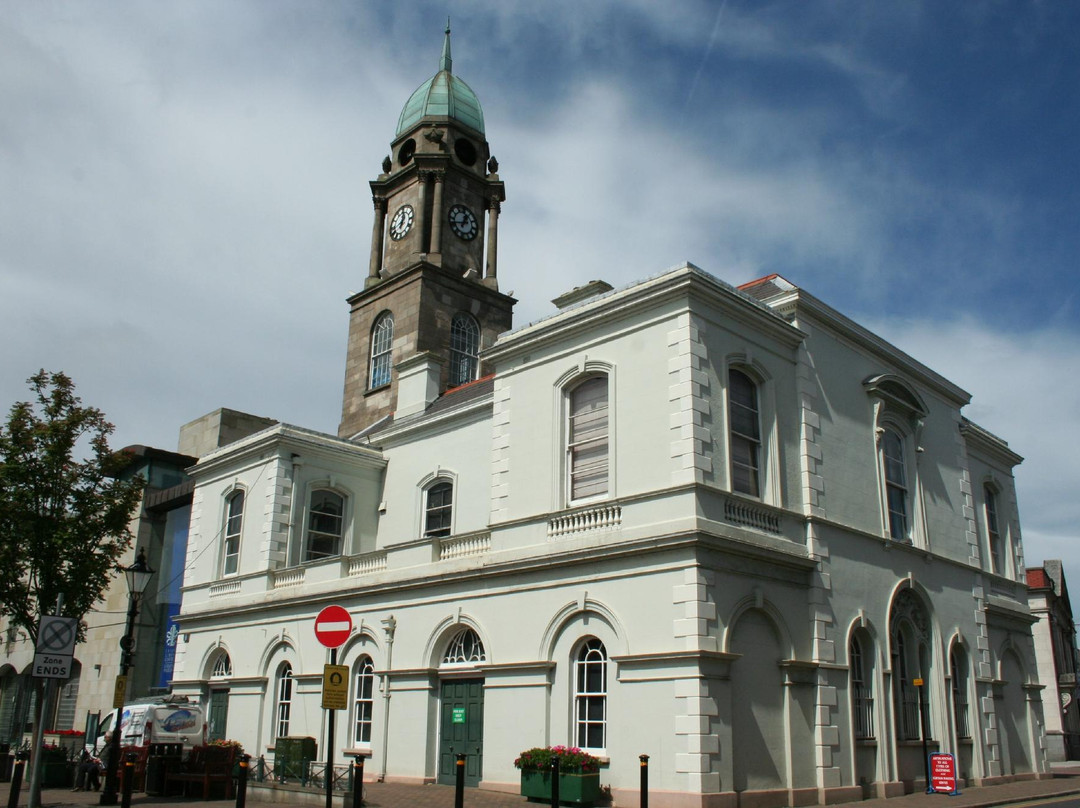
x=138, y=576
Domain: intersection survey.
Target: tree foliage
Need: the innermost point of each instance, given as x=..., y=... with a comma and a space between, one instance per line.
x=64, y=511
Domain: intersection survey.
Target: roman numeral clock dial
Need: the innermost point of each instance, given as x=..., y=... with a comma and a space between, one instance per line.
x=463, y=222
x=401, y=223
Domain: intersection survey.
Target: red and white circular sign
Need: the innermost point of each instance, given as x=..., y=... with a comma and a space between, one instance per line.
x=333, y=626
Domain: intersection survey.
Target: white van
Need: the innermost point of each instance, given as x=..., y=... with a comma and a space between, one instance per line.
x=169, y=720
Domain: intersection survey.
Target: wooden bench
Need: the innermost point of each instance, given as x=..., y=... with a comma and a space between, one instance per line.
x=138, y=779
x=205, y=766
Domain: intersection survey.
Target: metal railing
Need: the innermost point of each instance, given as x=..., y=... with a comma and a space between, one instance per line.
x=909, y=713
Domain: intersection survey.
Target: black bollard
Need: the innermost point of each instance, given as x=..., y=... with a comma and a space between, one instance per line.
x=129, y=778
x=459, y=783
x=644, y=780
x=555, y=782
x=16, y=779
x=358, y=781
x=241, y=781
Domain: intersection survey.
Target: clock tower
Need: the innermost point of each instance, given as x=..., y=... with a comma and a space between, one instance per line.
x=431, y=300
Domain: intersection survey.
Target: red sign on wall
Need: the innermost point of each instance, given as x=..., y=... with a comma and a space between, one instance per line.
x=943, y=774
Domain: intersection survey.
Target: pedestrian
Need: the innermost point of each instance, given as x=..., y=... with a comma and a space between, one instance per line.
x=106, y=755
x=88, y=775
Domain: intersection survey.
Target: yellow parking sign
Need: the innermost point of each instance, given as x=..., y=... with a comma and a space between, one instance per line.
x=335, y=687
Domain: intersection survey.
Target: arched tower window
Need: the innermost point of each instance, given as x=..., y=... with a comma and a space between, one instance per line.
x=234, y=523
x=993, y=534
x=862, y=692
x=283, y=706
x=587, y=439
x=438, y=509
x=745, y=427
x=382, y=343
x=896, y=490
x=222, y=667
x=958, y=671
x=364, y=689
x=326, y=517
x=465, y=649
x=909, y=633
x=590, y=696
x=464, y=349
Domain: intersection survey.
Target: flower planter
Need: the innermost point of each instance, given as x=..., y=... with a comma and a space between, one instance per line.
x=56, y=769
x=574, y=789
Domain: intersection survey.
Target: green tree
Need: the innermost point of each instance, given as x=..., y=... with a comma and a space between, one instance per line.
x=64, y=511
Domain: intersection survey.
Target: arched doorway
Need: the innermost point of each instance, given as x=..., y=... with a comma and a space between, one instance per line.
x=1013, y=718
x=759, y=754
x=912, y=663
x=461, y=708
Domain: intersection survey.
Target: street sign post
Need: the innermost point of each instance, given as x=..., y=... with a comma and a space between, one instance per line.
x=55, y=647
x=332, y=628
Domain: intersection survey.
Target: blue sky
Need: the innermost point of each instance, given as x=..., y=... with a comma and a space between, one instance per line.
x=184, y=203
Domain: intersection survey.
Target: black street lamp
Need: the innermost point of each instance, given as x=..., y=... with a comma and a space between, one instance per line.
x=138, y=576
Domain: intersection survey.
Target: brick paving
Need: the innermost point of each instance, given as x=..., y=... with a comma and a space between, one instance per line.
x=1064, y=783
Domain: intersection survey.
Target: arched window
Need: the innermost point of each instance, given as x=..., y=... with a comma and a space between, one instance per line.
x=464, y=349
x=464, y=649
x=993, y=535
x=438, y=509
x=745, y=428
x=222, y=667
x=234, y=523
x=283, y=707
x=959, y=693
x=909, y=627
x=862, y=694
x=382, y=343
x=363, y=701
x=587, y=439
x=326, y=518
x=896, y=491
x=590, y=696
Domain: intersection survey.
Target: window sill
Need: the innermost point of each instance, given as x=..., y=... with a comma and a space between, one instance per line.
x=364, y=752
x=866, y=741
x=379, y=389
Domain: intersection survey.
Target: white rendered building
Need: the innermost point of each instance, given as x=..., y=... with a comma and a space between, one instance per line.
x=726, y=528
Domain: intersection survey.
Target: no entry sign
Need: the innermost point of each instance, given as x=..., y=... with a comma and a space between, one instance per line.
x=333, y=626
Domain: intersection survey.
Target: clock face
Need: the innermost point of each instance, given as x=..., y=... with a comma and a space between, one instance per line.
x=463, y=222
x=401, y=223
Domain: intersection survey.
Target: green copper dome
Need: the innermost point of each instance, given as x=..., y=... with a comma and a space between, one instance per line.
x=444, y=95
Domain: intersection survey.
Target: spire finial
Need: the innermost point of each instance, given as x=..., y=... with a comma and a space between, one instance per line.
x=445, y=62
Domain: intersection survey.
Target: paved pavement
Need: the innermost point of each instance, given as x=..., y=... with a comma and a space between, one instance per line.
x=1064, y=783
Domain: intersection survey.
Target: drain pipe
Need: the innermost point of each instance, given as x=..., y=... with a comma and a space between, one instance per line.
x=389, y=625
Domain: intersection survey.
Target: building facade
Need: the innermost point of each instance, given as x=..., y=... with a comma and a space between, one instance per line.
x=725, y=527
x=158, y=527
x=1056, y=657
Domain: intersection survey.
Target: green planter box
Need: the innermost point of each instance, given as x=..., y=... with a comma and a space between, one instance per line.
x=574, y=789
x=56, y=769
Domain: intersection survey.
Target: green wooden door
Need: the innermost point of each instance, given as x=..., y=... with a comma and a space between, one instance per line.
x=461, y=730
x=217, y=715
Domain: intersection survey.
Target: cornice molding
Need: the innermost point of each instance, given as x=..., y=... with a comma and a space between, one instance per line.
x=685, y=280
x=798, y=302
